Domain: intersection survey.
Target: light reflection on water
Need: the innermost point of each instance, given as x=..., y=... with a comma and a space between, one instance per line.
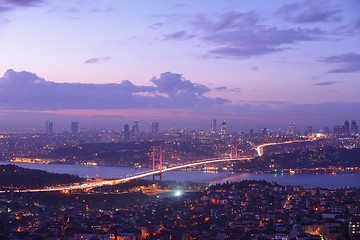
x=307, y=180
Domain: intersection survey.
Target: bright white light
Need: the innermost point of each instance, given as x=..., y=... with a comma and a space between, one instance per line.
x=177, y=193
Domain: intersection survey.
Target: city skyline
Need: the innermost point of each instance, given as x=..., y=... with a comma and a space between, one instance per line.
x=255, y=64
x=136, y=128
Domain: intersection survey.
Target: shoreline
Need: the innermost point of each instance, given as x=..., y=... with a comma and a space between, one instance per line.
x=304, y=171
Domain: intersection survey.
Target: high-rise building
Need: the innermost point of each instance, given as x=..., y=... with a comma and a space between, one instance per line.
x=213, y=126
x=354, y=128
x=326, y=130
x=291, y=131
x=75, y=128
x=346, y=128
x=251, y=133
x=155, y=128
x=223, y=130
x=136, y=131
x=49, y=127
x=265, y=133
x=309, y=130
x=126, y=132
x=339, y=130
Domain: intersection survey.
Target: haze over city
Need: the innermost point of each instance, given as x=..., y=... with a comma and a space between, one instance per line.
x=254, y=64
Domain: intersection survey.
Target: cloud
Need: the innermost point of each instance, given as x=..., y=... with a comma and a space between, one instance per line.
x=26, y=97
x=223, y=88
x=357, y=24
x=156, y=26
x=173, y=84
x=242, y=35
x=182, y=35
x=327, y=83
x=226, y=21
x=349, y=62
x=308, y=11
x=5, y=9
x=257, y=41
x=10, y=5
x=23, y=3
x=96, y=60
x=27, y=91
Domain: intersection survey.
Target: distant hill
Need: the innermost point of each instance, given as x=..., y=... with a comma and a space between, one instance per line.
x=12, y=176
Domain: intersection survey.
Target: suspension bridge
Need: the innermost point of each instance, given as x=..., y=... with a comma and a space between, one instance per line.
x=157, y=169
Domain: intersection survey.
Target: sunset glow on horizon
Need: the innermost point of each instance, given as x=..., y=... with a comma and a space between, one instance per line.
x=253, y=63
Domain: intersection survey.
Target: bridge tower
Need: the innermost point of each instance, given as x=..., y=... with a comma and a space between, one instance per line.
x=234, y=150
x=157, y=158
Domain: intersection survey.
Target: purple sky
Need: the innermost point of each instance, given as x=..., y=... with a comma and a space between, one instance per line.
x=253, y=63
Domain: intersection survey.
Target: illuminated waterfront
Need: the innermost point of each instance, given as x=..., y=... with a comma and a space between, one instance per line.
x=307, y=180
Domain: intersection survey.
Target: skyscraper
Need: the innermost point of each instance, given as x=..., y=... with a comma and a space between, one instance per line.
x=309, y=130
x=291, y=131
x=48, y=127
x=155, y=128
x=339, y=130
x=136, y=131
x=346, y=128
x=265, y=133
x=354, y=128
x=326, y=130
x=126, y=132
x=75, y=128
x=251, y=133
x=213, y=126
x=223, y=130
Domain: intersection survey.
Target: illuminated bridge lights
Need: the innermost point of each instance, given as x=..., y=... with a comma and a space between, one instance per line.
x=101, y=183
x=88, y=185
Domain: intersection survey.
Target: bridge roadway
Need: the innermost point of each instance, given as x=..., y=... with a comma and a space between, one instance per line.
x=260, y=148
x=89, y=185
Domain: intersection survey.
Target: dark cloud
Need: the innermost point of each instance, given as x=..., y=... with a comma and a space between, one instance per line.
x=175, y=85
x=10, y=5
x=348, y=62
x=26, y=97
x=92, y=61
x=5, y=9
x=256, y=41
x=223, y=88
x=23, y=3
x=182, y=35
x=309, y=11
x=327, y=83
x=241, y=35
x=27, y=91
x=226, y=21
x=97, y=60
